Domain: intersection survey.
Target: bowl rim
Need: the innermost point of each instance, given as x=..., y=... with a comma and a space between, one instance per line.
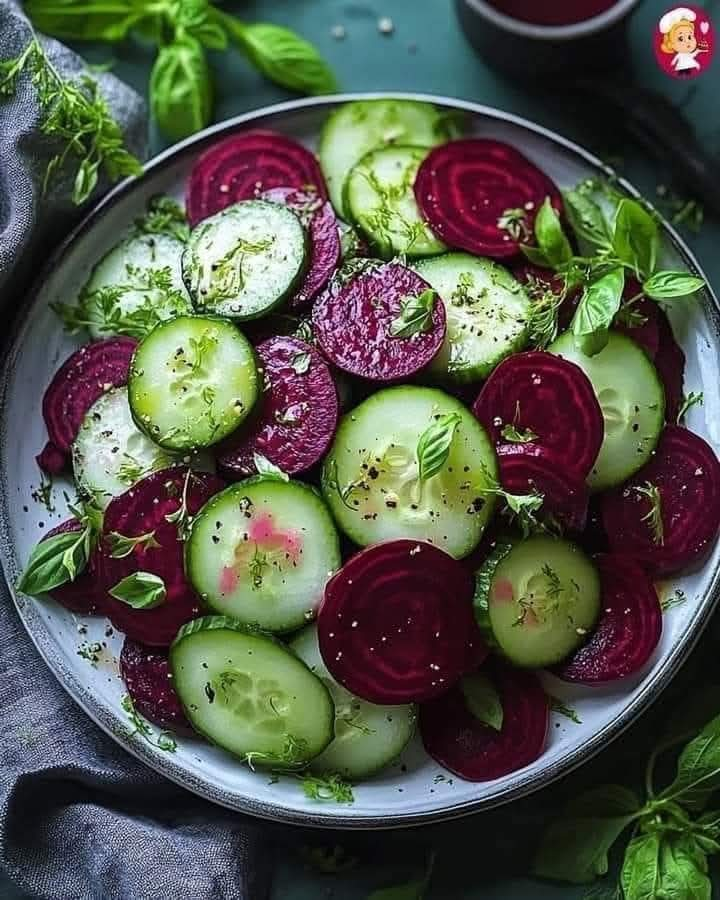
x=574, y=31
x=530, y=781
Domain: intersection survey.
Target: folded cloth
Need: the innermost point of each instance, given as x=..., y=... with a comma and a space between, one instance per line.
x=80, y=818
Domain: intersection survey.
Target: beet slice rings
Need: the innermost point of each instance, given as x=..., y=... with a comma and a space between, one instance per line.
x=465, y=187
x=396, y=624
x=147, y=677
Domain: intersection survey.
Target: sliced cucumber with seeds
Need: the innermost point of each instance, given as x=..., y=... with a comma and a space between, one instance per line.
x=632, y=400
x=355, y=129
x=367, y=736
x=380, y=200
x=245, y=260
x=192, y=382
x=134, y=286
x=371, y=477
x=109, y=453
x=487, y=314
x=537, y=600
x=262, y=551
x=249, y=694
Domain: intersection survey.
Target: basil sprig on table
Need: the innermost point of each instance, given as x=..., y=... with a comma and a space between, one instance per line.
x=181, y=82
x=673, y=831
x=619, y=245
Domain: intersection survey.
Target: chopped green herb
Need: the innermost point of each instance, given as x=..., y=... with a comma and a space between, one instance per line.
x=677, y=598
x=164, y=740
x=327, y=788
x=121, y=545
x=653, y=517
x=415, y=315
x=515, y=223
x=300, y=362
x=512, y=434
x=268, y=469
x=164, y=216
x=43, y=493
x=558, y=706
x=688, y=401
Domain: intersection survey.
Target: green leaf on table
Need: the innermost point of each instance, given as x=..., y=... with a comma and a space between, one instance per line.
x=181, y=88
x=90, y=21
x=698, y=769
x=415, y=315
x=635, y=237
x=575, y=848
x=595, y=313
x=482, y=699
x=640, y=873
x=550, y=236
x=587, y=219
x=54, y=562
x=666, y=285
x=141, y=590
x=434, y=445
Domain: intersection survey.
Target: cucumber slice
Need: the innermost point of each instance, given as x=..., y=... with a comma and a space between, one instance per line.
x=244, y=261
x=355, y=129
x=109, y=454
x=632, y=400
x=380, y=200
x=247, y=693
x=262, y=551
x=134, y=286
x=487, y=314
x=537, y=600
x=192, y=382
x=371, y=475
x=367, y=736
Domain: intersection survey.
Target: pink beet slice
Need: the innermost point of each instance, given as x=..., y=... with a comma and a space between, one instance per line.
x=243, y=166
x=552, y=398
x=670, y=363
x=686, y=473
x=87, y=374
x=83, y=595
x=353, y=319
x=298, y=416
x=147, y=677
x=319, y=218
x=396, y=622
x=525, y=468
x=465, y=187
x=629, y=628
x=141, y=510
x=465, y=745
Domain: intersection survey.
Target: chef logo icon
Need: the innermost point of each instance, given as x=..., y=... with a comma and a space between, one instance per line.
x=684, y=42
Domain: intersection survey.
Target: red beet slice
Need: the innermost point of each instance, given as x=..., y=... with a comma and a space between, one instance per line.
x=465, y=187
x=629, y=628
x=299, y=412
x=90, y=372
x=396, y=622
x=525, y=468
x=670, y=363
x=458, y=740
x=352, y=323
x=319, y=218
x=647, y=333
x=243, y=166
x=51, y=459
x=686, y=472
x=141, y=510
x=84, y=594
x=147, y=677
x=552, y=398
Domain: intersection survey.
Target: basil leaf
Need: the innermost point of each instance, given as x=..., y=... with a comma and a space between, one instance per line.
x=666, y=285
x=433, y=447
x=575, y=848
x=141, y=590
x=698, y=769
x=640, y=874
x=93, y=21
x=415, y=315
x=482, y=699
x=513, y=435
x=268, y=469
x=587, y=219
x=536, y=256
x=181, y=89
x=54, y=562
x=596, y=311
x=550, y=236
x=635, y=237
x=683, y=868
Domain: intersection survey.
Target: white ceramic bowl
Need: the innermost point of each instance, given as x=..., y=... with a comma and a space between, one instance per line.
x=397, y=797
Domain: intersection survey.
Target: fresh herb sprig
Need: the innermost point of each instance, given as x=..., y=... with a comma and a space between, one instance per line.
x=164, y=740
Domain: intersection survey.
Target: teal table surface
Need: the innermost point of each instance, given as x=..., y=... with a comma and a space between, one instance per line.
x=483, y=856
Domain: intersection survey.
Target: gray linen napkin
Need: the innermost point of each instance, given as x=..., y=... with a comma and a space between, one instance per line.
x=79, y=818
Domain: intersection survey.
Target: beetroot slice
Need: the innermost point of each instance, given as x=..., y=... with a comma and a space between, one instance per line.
x=396, y=622
x=686, y=472
x=629, y=628
x=141, y=510
x=465, y=187
x=646, y=333
x=670, y=363
x=90, y=372
x=298, y=417
x=352, y=323
x=525, y=468
x=51, y=459
x=552, y=398
x=244, y=165
x=147, y=677
x=458, y=740
x=319, y=218
x=83, y=595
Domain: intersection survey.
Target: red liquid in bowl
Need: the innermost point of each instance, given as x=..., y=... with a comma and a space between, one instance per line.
x=552, y=12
